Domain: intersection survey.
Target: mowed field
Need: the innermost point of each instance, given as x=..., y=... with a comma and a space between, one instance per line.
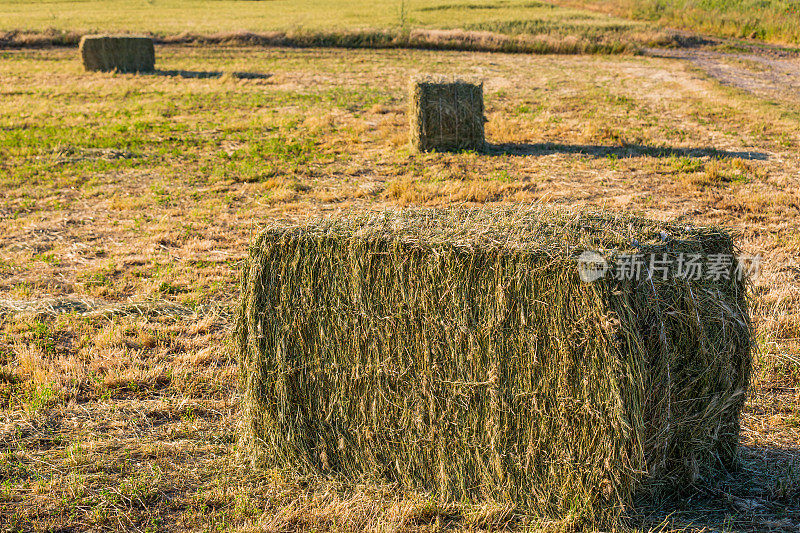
x=619, y=21
x=521, y=25
x=171, y=17
x=128, y=202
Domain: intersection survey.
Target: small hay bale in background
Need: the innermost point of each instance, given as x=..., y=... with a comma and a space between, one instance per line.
x=120, y=53
x=461, y=352
x=446, y=115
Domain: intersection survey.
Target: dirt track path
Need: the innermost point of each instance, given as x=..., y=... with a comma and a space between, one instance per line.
x=769, y=73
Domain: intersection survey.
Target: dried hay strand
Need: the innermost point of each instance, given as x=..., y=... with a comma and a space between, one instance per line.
x=446, y=114
x=91, y=307
x=120, y=53
x=458, y=351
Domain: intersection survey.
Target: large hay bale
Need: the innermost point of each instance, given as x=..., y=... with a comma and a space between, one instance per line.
x=121, y=53
x=461, y=352
x=446, y=115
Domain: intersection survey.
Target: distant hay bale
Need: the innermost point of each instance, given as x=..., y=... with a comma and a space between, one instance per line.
x=462, y=352
x=120, y=53
x=446, y=115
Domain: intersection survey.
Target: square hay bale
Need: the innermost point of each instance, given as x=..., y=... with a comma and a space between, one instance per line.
x=446, y=115
x=462, y=352
x=121, y=53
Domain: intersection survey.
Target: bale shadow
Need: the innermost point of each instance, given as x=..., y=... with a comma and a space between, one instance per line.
x=762, y=495
x=208, y=74
x=621, y=152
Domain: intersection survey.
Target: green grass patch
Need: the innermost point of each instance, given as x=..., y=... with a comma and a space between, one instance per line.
x=766, y=20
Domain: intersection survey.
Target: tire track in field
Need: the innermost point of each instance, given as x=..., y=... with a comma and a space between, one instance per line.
x=769, y=73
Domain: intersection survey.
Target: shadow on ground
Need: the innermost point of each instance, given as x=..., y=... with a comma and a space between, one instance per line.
x=206, y=74
x=763, y=495
x=624, y=151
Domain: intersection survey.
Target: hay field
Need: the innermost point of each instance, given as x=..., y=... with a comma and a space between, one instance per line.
x=170, y=17
x=332, y=22
x=128, y=202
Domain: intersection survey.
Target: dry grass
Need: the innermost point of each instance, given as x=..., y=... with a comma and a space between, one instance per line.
x=550, y=41
x=132, y=188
